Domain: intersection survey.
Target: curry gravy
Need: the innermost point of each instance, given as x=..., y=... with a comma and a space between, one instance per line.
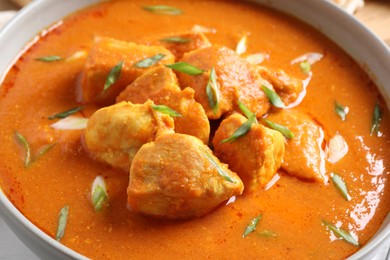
x=291, y=209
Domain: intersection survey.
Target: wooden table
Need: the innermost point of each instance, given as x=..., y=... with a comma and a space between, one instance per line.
x=375, y=15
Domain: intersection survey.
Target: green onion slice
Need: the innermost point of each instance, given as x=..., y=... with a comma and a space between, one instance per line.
x=49, y=58
x=376, y=120
x=62, y=221
x=273, y=97
x=99, y=193
x=340, y=184
x=23, y=141
x=176, y=39
x=241, y=45
x=341, y=110
x=45, y=149
x=163, y=9
x=284, y=130
x=245, y=110
x=66, y=113
x=221, y=172
x=341, y=233
x=212, y=91
x=242, y=130
x=305, y=67
x=146, y=63
x=252, y=226
x=166, y=110
x=267, y=233
x=186, y=68
x=113, y=76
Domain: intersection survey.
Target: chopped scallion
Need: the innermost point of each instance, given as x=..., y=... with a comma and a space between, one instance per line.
x=282, y=129
x=252, y=226
x=305, y=67
x=62, y=221
x=267, y=233
x=341, y=111
x=242, y=130
x=49, y=58
x=221, y=172
x=113, y=76
x=186, y=68
x=44, y=150
x=71, y=123
x=241, y=45
x=273, y=97
x=376, y=120
x=163, y=9
x=66, y=113
x=340, y=184
x=146, y=63
x=212, y=91
x=245, y=110
x=99, y=193
x=341, y=233
x=23, y=141
x=166, y=110
x=176, y=39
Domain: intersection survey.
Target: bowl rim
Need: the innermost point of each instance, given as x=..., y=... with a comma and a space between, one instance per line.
x=378, y=70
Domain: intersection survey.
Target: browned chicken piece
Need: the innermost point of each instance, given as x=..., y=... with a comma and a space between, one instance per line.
x=115, y=133
x=105, y=55
x=255, y=157
x=177, y=177
x=304, y=157
x=160, y=85
x=190, y=41
x=236, y=78
x=288, y=88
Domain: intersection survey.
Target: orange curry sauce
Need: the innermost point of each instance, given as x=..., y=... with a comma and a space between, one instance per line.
x=291, y=209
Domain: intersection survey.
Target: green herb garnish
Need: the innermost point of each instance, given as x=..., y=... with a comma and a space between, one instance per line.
x=341, y=111
x=252, y=226
x=340, y=184
x=186, y=68
x=242, y=130
x=267, y=233
x=245, y=110
x=166, y=110
x=305, y=67
x=273, y=97
x=220, y=171
x=113, y=76
x=376, y=120
x=23, y=141
x=44, y=150
x=49, y=58
x=62, y=221
x=99, y=194
x=146, y=63
x=212, y=91
x=66, y=113
x=341, y=233
x=163, y=9
x=284, y=130
x=176, y=39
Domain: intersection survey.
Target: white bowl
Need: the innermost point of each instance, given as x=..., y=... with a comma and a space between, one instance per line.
x=367, y=49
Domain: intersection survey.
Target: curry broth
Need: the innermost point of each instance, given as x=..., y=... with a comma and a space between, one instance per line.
x=291, y=208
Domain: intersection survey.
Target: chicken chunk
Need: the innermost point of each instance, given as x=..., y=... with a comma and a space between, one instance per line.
x=304, y=156
x=236, y=79
x=255, y=157
x=114, y=134
x=288, y=88
x=177, y=177
x=160, y=85
x=191, y=41
x=105, y=55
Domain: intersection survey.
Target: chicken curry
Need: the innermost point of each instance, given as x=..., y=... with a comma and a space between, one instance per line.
x=141, y=129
